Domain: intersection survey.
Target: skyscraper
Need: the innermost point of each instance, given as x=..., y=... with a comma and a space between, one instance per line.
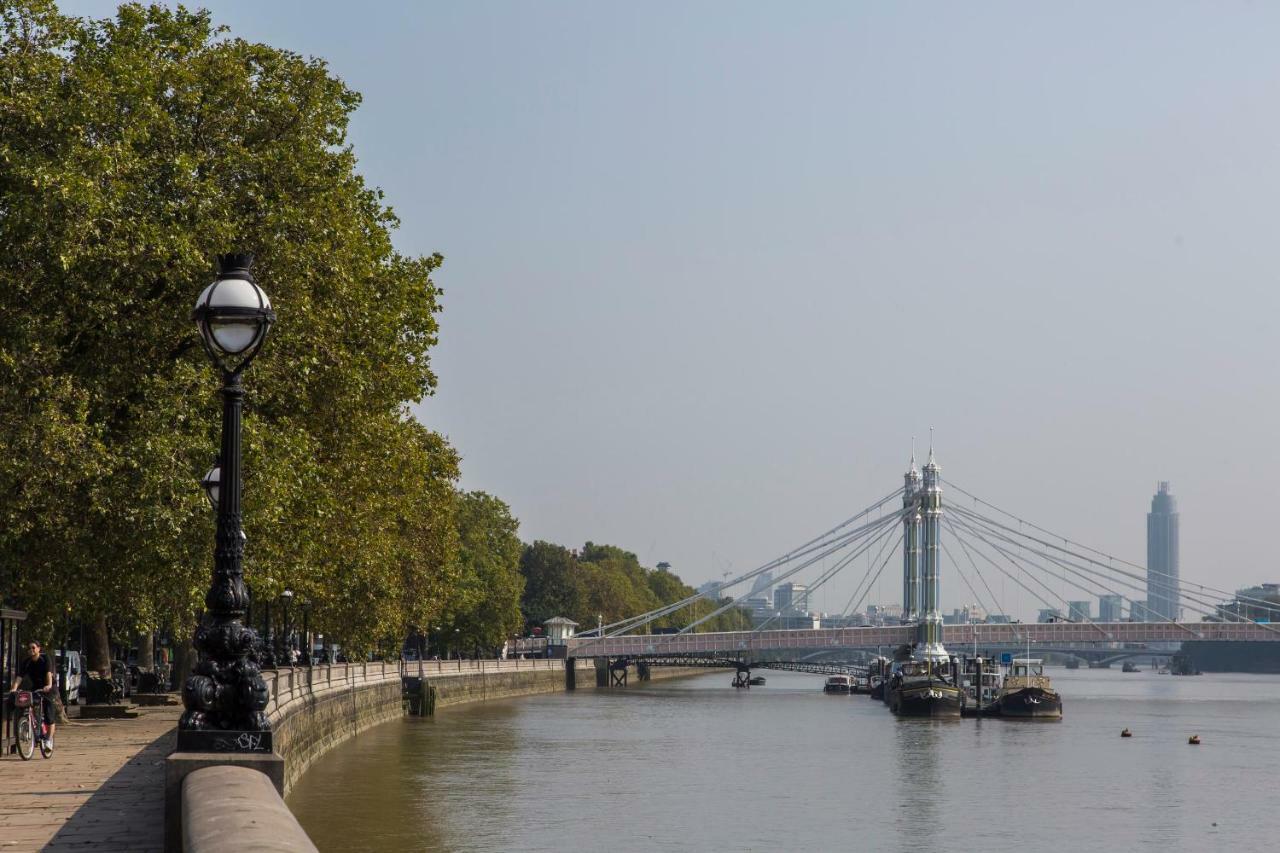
x=1110, y=608
x=1163, y=600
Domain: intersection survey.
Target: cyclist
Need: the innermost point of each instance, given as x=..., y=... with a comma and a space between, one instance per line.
x=36, y=668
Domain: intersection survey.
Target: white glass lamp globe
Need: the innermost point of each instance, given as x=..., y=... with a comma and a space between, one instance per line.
x=233, y=314
x=211, y=483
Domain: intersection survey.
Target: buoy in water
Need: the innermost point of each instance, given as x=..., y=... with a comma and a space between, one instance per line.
x=1126, y=733
x=1194, y=740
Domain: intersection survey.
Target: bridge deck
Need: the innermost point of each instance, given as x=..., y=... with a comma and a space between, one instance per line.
x=1057, y=633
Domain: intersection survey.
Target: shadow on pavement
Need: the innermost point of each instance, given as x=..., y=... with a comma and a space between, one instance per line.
x=127, y=812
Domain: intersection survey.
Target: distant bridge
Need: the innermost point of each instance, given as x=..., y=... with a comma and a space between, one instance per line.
x=1044, y=565
x=1055, y=636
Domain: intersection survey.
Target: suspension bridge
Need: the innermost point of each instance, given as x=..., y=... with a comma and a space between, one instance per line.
x=984, y=546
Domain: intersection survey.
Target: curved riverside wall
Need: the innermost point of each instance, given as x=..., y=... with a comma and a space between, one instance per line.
x=314, y=709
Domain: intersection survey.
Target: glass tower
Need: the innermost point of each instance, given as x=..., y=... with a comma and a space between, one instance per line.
x=1163, y=601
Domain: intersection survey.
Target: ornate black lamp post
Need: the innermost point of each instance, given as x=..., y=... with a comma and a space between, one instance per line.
x=306, y=632
x=286, y=641
x=226, y=697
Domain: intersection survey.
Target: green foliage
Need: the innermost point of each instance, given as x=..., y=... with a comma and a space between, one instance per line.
x=484, y=609
x=132, y=151
x=605, y=582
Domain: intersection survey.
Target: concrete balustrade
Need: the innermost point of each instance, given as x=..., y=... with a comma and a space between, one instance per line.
x=228, y=809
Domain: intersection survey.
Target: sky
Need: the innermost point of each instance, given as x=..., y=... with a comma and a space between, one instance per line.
x=710, y=266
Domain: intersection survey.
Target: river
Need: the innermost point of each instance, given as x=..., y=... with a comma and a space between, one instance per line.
x=693, y=764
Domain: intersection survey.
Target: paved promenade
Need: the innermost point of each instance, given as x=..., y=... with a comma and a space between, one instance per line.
x=103, y=790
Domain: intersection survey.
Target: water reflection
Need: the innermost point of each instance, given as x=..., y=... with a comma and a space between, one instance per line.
x=697, y=765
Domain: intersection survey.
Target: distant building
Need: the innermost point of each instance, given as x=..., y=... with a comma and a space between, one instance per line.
x=1163, y=596
x=1049, y=614
x=759, y=605
x=664, y=567
x=791, y=598
x=1110, y=608
x=1078, y=611
x=558, y=630
x=998, y=619
x=710, y=589
x=1260, y=603
x=887, y=614
x=761, y=585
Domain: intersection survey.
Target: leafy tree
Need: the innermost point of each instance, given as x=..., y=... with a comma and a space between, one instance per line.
x=134, y=150
x=485, y=605
x=550, y=583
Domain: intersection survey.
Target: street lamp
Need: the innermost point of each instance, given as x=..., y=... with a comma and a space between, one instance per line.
x=287, y=643
x=306, y=631
x=226, y=696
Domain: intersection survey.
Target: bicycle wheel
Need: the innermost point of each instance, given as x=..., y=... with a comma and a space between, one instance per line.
x=26, y=738
x=46, y=748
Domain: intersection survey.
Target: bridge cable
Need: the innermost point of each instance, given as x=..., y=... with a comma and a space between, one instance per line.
x=994, y=598
x=881, y=537
x=871, y=562
x=1195, y=602
x=1068, y=541
x=1015, y=561
x=886, y=521
x=624, y=625
x=849, y=539
x=956, y=563
x=1206, y=605
x=867, y=591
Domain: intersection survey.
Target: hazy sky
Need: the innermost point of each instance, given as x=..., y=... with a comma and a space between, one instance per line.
x=710, y=266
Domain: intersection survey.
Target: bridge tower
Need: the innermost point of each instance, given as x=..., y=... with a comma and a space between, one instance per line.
x=911, y=543
x=929, y=631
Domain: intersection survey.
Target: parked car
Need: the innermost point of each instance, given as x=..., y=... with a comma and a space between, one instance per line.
x=72, y=678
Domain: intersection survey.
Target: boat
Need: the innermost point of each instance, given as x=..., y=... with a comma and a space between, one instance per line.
x=922, y=688
x=756, y=681
x=1129, y=667
x=838, y=684
x=981, y=683
x=1028, y=693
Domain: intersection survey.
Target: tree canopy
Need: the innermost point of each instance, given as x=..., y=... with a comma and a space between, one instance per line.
x=608, y=583
x=135, y=150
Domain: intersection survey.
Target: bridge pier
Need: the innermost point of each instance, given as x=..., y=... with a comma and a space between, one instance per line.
x=743, y=676
x=642, y=670
x=570, y=674
x=618, y=673
x=602, y=672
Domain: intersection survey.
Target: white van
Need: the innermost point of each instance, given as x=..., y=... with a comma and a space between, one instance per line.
x=70, y=669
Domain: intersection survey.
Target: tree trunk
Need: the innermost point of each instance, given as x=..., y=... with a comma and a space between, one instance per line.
x=146, y=652
x=99, y=647
x=184, y=658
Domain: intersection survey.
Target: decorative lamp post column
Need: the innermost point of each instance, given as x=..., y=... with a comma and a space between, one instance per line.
x=306, y=633
x=286, y=641
x=226, y=696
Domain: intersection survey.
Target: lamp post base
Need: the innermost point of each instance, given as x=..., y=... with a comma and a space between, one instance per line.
x=223, y=741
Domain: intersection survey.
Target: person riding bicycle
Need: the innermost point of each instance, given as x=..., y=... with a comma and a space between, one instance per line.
x=35, y=667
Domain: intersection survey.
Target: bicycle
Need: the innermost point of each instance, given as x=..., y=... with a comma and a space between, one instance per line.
x=28, y=723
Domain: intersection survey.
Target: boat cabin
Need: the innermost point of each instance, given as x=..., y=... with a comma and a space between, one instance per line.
x=838, y=684
x=1026, y=672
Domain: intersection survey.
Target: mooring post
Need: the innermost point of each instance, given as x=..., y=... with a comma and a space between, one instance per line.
x=570, y=674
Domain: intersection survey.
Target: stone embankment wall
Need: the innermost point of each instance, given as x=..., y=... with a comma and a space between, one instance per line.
x=314, y=709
